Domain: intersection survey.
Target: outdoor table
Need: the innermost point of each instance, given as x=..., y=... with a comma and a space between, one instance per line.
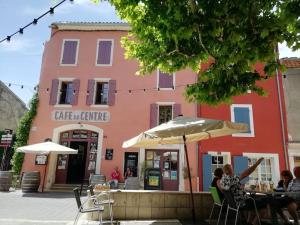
x=270, y=195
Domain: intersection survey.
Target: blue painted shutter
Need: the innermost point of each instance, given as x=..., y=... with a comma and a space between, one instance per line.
x=153, y=115
x=240, y=164
x=75, y=94
x=242, y=115
x=111, y=94
x=104, y=52
x=53, y=93
x=176, y=110
x=206, y=170
x=90, y=95
x=69, y=54
x=165, y=80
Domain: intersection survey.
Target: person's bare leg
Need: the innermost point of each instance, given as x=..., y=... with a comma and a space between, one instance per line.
x=292, y=208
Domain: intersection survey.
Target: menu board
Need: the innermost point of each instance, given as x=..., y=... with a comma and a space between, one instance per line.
x=41, y=160
x=109, y=154
x=153, y=181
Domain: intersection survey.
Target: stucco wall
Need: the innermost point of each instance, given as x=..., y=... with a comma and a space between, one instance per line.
x=11, y=108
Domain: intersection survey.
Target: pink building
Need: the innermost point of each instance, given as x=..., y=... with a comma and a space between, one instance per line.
x=91, y=100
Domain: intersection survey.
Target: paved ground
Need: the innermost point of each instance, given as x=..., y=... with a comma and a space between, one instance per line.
x=19, y=208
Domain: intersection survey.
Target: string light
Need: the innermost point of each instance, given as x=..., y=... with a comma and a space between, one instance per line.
x=34, y=22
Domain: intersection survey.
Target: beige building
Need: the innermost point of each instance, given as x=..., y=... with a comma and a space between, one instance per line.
x=12, y=108
x=291, y=84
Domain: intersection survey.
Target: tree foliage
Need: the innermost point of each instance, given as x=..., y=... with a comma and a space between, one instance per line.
x=22, y=134
x=233, y=34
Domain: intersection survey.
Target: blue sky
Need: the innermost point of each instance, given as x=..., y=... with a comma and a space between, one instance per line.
x=20, y=59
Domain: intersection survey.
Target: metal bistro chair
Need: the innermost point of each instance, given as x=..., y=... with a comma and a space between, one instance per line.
x=236, y=207
x=81, y=208
x=217, y=202
x=102, y=199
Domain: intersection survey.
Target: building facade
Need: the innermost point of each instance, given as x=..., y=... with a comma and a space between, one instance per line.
x=291, y=84
x=267, y=136
x=91, y=100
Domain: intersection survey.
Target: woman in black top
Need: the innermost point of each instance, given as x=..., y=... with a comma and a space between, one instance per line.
x=218, y=173
x=286, y=178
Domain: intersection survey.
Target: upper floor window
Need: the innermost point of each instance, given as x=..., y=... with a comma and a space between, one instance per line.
x=242, y=113
x=64, y=91
x=104, y=52
x=101, y=97
x=69, y=52
x=163, y=112
x=165, y=80
x=101, y=92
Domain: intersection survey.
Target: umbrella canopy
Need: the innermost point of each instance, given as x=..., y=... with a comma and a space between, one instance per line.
x=182, y=130
x=46, y=148
x=194, y=129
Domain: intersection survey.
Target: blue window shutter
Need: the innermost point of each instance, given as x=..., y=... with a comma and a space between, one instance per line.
x=240, y=164
x=176, y=110
x=112, y=92
x=242, y=115
x=153, y=115
x=206, y=170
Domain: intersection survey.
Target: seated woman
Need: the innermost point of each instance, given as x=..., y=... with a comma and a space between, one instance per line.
x=286, y=178
x=232, y=183
x=294, y=188
x=218, y=173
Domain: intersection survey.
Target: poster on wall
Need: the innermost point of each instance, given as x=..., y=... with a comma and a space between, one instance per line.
x=62, y=162
x=41, y=160
x=92, y=165
x=109, y=154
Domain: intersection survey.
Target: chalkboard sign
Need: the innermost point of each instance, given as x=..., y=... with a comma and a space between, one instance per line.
x=109, y=154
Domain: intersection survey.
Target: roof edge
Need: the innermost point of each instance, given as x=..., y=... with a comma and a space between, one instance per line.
x=91, y=26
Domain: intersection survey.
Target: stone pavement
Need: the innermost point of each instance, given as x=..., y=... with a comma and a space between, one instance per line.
x=51, y=208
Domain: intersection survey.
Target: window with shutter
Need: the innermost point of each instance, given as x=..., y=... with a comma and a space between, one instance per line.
x=66, y=92
x=165, y=113
x=69, y=52
x=101, y=95
x=166, y=81
x=242, y=113
x=104, y=52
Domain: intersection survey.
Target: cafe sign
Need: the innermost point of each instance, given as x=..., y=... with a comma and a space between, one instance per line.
x=78, y=115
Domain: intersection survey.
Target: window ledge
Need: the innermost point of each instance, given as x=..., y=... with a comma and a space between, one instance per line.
x=243, y=135
x=166, y=89
x=68, y=64
x=62, y=106
x=104, y=65
x=99, y=106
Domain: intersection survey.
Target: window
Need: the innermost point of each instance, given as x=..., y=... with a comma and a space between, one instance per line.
x=218, y=160
x=165, y=113
x=267, y=171
x=104, y=52
x=69, y=52
x=242, y=113
x=165, y=80
x=101, y=97
x=66, y=93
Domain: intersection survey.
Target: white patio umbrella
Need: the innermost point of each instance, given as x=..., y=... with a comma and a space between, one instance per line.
x=182, y=130
x=46, y=148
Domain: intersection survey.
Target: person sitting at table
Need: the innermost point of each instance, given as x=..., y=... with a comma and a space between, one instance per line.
x=232, y=183
x=115, y=177
x=286, y=178
x=218, y=173
x=294, y=186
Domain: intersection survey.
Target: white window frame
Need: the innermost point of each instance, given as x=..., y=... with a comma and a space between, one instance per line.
x=214, y=153
x=274, y=164
x=60, y=80
x=111, y=52
x=62, y=52
x=165, y=89
x=97, y=80
x=164, y=104
x=249, y=106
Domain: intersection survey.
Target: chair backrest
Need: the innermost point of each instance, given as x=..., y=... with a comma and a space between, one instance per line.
x=132, y=183
x=215, y=195
x=77, y=197
x=229, y=199
x=97, y=179
x=91, y=189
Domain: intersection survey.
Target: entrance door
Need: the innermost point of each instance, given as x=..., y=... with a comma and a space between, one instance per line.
x=167, y=162
x=76, y=165
x=131, y=161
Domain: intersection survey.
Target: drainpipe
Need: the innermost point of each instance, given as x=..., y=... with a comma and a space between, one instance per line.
x=281, y=116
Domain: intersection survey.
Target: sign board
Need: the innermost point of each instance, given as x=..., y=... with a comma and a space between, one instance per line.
x=79, y=115
x=109, y=154
x=6, y=139
x=41, y=160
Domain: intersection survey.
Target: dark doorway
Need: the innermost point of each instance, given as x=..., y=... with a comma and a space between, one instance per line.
x=131, y=161
x=76, y=164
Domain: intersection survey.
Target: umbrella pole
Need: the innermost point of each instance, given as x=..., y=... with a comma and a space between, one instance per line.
x=44, y=175
x=190, y=180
